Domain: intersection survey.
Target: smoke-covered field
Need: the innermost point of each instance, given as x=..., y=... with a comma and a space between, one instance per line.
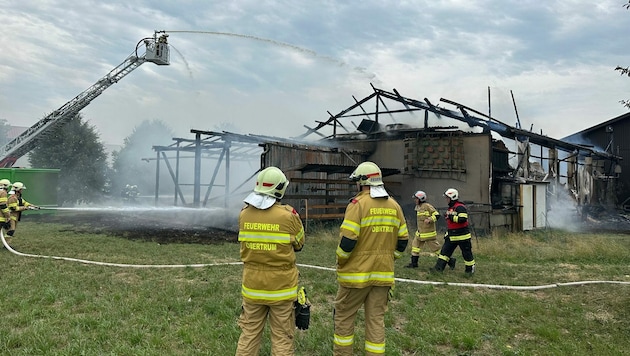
x=161, y=225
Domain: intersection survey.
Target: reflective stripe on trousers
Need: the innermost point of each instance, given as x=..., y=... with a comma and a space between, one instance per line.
x=347, y=303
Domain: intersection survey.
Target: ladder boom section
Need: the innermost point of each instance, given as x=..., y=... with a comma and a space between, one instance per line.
x=156, y=52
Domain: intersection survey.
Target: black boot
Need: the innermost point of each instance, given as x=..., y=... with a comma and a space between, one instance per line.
x=414, y=262
x=451, y=262
x=469, y=271
x=439, y=266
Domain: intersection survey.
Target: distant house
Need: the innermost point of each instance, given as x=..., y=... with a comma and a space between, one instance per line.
x=609, y=137
x=15, y=131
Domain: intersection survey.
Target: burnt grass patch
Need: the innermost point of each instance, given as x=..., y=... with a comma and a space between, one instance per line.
x=143, y=227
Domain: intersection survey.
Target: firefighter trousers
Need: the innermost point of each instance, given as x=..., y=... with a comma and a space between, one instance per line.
x=252, y=323
x=347, y=303
x=465, y=245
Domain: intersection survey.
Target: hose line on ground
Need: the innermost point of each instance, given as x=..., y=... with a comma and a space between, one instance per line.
x=403, y=280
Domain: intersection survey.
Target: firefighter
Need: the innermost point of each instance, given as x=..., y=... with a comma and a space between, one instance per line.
x=129, y=194
x=269, y=234
x=426, y=236
x=17, y=204
x=458, y=234
x=5, y=213
x=373, y=234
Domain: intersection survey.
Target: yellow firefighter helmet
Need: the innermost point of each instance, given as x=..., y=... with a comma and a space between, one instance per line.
x=271, y=181
x=17, y=186
x=5, y=183
x=367, y=173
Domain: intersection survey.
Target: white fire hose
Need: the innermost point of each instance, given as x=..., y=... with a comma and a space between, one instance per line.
x=404, y=280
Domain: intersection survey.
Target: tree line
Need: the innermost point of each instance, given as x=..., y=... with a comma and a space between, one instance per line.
x=85, y=174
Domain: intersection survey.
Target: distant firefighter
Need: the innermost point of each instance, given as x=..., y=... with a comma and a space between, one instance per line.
x=5, y=213
x=425, y=239
x=130, y=194
x=17, y=204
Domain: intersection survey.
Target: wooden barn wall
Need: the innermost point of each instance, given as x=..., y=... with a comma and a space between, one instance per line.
x=314, y=194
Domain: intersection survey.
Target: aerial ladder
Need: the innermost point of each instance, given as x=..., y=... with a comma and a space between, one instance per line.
x=156, y=50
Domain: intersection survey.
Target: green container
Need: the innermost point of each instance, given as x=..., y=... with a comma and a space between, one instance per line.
x=41, y=184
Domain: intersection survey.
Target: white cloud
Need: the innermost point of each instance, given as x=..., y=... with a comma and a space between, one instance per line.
x=286, y=64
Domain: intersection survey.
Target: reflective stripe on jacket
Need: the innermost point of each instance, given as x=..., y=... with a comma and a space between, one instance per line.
x=376, y=224
x=16, y=205
x=269, y=239
x=4, y=206
x=457, y=223
x=424, y=211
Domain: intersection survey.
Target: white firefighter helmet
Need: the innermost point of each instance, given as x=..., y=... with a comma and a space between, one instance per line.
x=272, y=182
x=451, y=193
x=367, y=173
x=422, y=196
x=17, y=186
x=5, y=183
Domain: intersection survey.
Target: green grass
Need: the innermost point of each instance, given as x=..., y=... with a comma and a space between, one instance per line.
x=58, y=307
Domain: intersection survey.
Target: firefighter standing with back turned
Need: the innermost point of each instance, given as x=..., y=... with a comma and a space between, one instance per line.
x=269, y=234
x=426, y=235
x=458, y=234
x=373, y=234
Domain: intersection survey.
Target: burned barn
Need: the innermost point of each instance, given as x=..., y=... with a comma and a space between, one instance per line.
x=607, y=137
x=509, y=177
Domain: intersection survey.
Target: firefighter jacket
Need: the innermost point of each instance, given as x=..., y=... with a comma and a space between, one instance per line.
x=16, y=205
x=377, y=230
x=457, y=221
x=269, y=239
x=426, y=231
x=5, y=213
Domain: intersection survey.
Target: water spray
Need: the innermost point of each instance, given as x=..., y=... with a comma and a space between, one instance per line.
x=302, y=50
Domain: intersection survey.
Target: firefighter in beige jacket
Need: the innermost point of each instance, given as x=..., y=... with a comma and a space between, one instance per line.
x=5, y=213
x=373, y=234
x=17, y=204
x=269, y=234
x=425, y=239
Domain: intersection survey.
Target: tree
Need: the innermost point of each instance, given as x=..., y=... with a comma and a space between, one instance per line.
x=75, y=149
x=625, y=70
x=131, y=165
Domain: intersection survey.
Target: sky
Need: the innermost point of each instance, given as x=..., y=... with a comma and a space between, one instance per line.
x=271, y=67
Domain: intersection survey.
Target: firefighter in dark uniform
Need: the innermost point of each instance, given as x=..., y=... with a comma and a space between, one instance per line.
x=269, y=234
x=373, y=234
x=425, y=239
x=17, y=204
x=457, y=235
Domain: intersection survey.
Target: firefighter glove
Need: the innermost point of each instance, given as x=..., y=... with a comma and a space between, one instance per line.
x=6, y=225
x=302, y=310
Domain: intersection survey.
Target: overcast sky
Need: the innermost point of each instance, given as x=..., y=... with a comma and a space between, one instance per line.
x=288, y=63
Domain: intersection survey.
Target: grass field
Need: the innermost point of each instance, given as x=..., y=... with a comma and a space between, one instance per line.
x=53, y=306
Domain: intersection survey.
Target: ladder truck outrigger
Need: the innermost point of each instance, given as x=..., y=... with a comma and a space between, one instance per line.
x=156, y=51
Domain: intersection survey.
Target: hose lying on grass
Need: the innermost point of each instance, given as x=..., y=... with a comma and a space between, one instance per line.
x=403, y=280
